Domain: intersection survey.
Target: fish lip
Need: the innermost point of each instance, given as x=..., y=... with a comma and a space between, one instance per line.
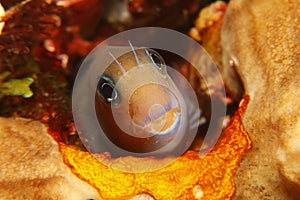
x=146, y=128
x=162, y=119
x=172, y=128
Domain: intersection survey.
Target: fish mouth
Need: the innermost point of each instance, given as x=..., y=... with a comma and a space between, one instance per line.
x=164, y=124
x=154, y=114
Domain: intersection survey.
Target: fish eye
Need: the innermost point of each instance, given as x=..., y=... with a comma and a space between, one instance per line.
x=156, y=58
x=106, y=89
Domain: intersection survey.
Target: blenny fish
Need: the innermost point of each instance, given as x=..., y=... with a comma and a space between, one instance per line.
x=140, y=109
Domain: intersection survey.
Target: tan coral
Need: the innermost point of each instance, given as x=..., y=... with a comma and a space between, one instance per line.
x=261, y=42
x=31, y=166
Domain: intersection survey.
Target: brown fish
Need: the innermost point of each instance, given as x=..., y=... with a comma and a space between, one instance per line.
x=140, y=108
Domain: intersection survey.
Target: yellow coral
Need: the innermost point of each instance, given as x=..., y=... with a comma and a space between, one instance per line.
x=15, y=87
x=189, y=177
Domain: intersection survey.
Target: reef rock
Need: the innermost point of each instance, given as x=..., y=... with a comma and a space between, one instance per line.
x=31, y=166
x=260, y=42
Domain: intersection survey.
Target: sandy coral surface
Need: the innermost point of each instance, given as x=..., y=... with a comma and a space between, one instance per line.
x=31, y=166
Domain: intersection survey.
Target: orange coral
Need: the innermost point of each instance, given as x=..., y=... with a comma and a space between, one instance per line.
x=189, y=177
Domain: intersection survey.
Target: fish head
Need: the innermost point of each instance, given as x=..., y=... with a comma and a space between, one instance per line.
x=138, y=104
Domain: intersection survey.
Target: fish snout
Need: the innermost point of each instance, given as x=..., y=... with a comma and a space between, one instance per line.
x=154, y=110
